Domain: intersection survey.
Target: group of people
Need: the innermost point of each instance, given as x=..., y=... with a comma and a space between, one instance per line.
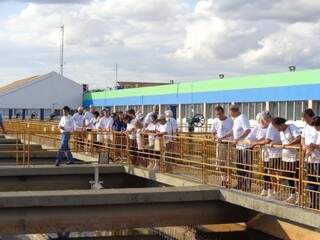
x=280, y=144
x=103, y=123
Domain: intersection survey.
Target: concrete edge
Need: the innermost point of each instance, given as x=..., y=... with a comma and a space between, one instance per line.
x=39, y=170
x=276, y=208
x=74, y=198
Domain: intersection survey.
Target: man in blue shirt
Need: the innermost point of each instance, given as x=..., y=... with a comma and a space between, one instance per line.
x=1, y=124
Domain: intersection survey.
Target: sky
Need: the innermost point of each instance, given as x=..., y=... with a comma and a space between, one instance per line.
x=157, y=40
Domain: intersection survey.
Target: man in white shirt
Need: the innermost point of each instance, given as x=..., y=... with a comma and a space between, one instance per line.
x=222, y=127
x=147, y=120
x=241, y=129
x=66, y=127
x=104, y=125
x=88, y=116
x=78, y=119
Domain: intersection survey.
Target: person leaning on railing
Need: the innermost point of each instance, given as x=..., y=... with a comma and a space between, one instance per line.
x=241, y=129
x=290, y=136
x=313, y=166
x=66, y=126
x=222, y=127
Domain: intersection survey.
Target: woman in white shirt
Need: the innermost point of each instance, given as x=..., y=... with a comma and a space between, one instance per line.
x=290, y=135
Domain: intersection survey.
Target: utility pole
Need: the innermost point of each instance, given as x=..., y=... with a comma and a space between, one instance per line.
x=116, y=73
x=62, y=50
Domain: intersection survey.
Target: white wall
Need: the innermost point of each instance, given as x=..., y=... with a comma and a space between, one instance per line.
x=50, y=91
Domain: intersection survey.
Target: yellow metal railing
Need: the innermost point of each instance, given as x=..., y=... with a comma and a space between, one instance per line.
x=284, y=174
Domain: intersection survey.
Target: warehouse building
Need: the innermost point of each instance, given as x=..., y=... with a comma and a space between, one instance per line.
x=39, y=96
x=284, y=94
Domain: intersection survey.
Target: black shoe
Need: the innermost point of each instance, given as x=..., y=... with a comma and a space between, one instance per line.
x=70, y=163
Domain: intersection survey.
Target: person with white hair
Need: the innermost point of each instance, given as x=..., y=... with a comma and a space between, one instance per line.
x=147, y=119
x=78, y=119
x=172, y=125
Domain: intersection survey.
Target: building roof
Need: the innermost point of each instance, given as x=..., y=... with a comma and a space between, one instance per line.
x=279, y=86
x=18, y=84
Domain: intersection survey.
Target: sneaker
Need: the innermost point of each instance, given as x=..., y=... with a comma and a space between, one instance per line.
x=263, y=193
x=291, y=199
x=70, y=163
x=57, y=163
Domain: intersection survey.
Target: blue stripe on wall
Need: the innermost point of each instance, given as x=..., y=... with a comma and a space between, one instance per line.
x=292, y=93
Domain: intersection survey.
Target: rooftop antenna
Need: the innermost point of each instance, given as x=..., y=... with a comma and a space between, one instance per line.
x=62, y=49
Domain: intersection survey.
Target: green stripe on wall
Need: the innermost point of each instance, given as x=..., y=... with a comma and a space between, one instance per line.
x=256, y=81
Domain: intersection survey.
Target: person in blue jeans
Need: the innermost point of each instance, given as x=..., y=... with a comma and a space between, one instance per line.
x=1, y=124
x=66, y=127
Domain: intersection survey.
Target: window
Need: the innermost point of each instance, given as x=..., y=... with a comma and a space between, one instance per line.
x=282, y=111
x=290, y=110
x=316, y=107
x=209, y=109
x=273, y=108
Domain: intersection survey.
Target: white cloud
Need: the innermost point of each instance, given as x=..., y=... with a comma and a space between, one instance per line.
x=156, y=40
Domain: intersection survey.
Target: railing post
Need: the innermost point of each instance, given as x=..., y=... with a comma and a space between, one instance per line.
x=24, y=148
x=17, y=149
x=228, y=165
x=162, y=155
x=29, y=162
x=128, y=151
x=204, y=162
x=301, y=188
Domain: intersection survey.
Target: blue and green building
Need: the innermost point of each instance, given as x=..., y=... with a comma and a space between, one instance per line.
x=284, y=94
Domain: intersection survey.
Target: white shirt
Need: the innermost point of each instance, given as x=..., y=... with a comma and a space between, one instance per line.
x=105, y=123
x=287, y=136
x=78, y=121
x=147, y=119
x=152, y=127
x=172, y=126
x=87, y=117
x=67, y=123
x=133, y=134
x=315, y=155
x=309, y=134
x=240, y=125
x=222, y=128
x=272, y=152
x=258, y=133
